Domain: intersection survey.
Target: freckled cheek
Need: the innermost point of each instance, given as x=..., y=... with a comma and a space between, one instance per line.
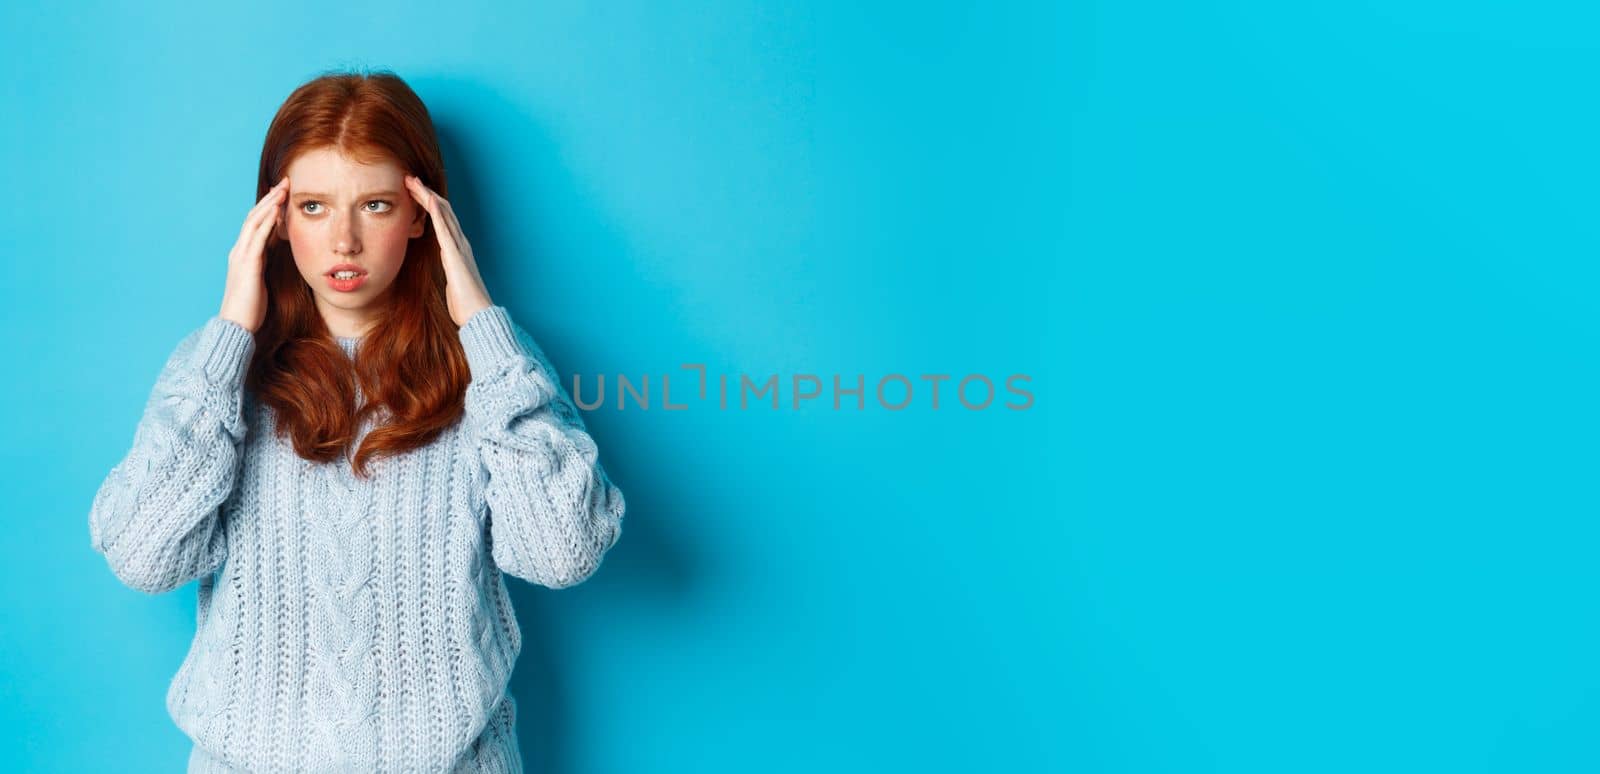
x=386, y=234
x=390, y=240
x=296, y=229
x=389, y=232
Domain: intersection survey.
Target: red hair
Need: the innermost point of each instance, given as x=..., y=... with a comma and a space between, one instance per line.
x=410, y=366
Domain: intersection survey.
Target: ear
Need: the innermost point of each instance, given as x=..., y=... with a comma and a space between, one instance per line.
x=418, y=221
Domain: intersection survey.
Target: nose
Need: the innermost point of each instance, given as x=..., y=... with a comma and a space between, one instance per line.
x=345, y=239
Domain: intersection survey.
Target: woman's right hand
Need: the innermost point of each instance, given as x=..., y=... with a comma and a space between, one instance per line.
x=244, y=299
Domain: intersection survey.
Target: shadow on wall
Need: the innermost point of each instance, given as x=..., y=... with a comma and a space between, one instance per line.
x=646, y=569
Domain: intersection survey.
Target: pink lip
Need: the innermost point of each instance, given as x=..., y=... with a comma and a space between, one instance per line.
x=346, y=286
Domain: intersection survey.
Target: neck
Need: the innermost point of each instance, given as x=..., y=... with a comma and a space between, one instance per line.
x=347, y=323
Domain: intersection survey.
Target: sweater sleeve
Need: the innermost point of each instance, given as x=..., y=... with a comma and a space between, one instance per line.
x=553, y=511
x=155, y=518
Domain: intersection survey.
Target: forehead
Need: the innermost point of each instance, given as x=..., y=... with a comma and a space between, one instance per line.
x=325, y=169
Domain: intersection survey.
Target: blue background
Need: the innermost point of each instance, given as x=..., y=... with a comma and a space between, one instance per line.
x=1305, y=291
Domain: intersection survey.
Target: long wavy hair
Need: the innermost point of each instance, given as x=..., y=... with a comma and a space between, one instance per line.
x=410, y=367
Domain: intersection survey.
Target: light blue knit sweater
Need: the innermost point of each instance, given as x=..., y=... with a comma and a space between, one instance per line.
x=350, y=625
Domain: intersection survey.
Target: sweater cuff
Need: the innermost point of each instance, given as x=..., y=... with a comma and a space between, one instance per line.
x=223, y=350
x=489, y=339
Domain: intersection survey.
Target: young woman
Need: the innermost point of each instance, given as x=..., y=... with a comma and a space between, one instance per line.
x=348, y=456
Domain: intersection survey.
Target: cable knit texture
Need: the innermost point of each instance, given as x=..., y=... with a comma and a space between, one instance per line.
x=346, y=625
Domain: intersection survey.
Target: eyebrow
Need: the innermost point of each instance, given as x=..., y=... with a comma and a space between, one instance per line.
x=307, y=194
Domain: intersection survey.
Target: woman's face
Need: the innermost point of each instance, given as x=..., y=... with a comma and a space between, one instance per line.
x=343, y=213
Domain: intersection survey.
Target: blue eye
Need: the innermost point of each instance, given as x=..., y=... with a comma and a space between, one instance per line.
x=387, y=206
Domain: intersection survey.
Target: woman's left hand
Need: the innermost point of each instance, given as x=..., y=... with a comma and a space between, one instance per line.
x=464, y=292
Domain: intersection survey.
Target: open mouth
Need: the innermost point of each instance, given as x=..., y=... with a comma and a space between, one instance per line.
x=346, y=280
